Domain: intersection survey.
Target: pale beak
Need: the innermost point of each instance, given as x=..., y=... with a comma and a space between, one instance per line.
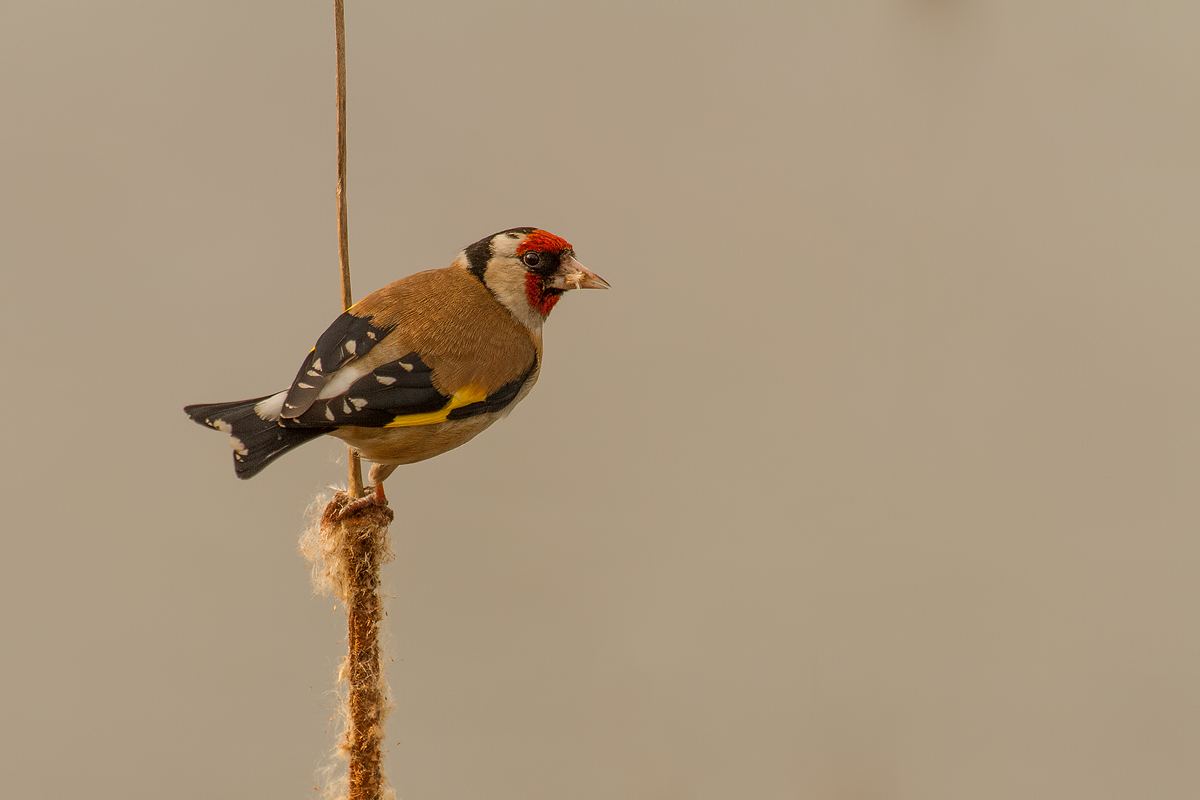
x=573, y=275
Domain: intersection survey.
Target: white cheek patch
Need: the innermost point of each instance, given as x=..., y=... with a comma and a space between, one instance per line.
x=506, y=245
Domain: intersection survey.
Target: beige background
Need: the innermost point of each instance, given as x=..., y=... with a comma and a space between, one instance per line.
x=874, y=476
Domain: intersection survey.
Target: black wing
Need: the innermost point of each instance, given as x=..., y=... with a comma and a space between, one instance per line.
x=401, y=394
x=347, y=339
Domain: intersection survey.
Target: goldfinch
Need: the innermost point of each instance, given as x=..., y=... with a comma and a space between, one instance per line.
x=419, y=367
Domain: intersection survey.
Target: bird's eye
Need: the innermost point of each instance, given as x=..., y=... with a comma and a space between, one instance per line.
x=532, y=259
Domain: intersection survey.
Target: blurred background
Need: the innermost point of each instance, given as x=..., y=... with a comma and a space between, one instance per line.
x=874, y=476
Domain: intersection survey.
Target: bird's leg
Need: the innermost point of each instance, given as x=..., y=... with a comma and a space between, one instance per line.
x=378, y=474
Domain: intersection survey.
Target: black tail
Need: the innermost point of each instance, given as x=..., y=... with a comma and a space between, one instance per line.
x=256, y=441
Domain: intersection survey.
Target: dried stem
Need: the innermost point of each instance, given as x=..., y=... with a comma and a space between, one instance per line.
x=348, y=549
x=339, y=26
x=346, y=552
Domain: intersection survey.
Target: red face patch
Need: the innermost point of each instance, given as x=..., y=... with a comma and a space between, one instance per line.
x=543, y=242
x=541, y=298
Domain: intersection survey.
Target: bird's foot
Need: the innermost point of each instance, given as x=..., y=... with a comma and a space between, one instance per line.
x=372, y=498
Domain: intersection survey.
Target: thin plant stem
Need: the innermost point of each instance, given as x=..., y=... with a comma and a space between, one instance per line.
x=343, y=227
x=360, y=539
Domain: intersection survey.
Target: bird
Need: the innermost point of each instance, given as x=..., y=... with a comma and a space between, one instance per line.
x=419, y=367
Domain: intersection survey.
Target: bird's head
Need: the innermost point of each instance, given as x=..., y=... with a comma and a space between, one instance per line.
x=528, y=269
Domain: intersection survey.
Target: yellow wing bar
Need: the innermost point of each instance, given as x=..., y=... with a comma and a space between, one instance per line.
x=463, y=397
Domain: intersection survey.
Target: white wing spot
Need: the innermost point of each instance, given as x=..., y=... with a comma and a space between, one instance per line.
x=305, y=386
x=222, y=425
x=385, y=380
x=329, y=413
x=312, y=373
x=351, y=346
x=371, y=335
x=238, y=447
x=346, y=407
x=406, y=367
x=342, y=380
x=317, y=365
x=359, y=403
